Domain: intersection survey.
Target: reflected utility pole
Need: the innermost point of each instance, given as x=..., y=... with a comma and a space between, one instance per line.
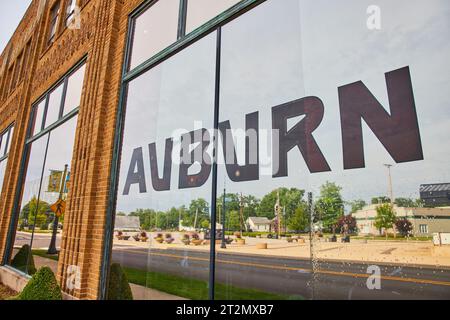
x=52, y=248
x=391, y=192
x=224, y=245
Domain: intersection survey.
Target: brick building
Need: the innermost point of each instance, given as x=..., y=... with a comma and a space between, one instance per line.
x=92, y=93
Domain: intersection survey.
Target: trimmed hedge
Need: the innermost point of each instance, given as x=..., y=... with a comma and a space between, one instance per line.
x=119, y=288
x=20, y=260
x=42, y=286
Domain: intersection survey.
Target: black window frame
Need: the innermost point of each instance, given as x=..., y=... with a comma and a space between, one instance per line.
x=12, y=228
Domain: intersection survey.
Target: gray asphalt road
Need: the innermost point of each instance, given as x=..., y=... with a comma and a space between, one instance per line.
x=329, y=280
x=39, y=241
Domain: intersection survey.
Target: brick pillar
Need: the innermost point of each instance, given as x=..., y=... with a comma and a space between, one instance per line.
x=83, y=235
x=18, y=107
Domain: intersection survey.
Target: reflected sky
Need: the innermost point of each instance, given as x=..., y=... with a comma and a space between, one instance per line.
x=286, y=50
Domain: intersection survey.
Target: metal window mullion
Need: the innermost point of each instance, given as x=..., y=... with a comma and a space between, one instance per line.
x=182, y=19
x=212, y=260
x=55, y=125
x=63, y=98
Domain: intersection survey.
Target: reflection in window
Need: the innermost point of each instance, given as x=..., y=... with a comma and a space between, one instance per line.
x=5, y=145
x=54, y=106
x=74, y=89
x=255, y=77
x=48, y=170
x=46, y=181
x=150, y=218
x=53, y=27
x=154, y=30
x=70, y=11
x=201, y=11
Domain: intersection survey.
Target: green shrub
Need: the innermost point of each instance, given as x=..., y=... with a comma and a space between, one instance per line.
x=20, y=260
x=119, y=288
x=42, y=286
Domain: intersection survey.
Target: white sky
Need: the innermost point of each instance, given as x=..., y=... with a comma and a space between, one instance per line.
x=11, y=12
x=319, y=46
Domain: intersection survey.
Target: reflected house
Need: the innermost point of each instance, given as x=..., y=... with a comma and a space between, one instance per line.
x=127, y=224
x=425, y=221
x=259, y=224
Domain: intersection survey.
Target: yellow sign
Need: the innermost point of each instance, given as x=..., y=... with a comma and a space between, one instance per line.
x=59, y=208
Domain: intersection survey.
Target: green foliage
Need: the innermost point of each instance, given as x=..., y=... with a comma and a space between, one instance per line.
x=408, y=203
x=205, y=224
x=233, y=221
x=386, y=217
x=35, y=212
x=195, y=289
x=300, y=220
x=199, y=208
x=43, y=286
x=330, y=206
x=357, y=205
x=119, y=288
x=380, y=200
x=290, y=199
x=21, y=259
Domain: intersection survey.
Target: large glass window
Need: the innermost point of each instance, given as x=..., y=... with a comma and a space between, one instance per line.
x=155, y=29
x=257, y=81
x=46, y=181
x=384, y=122
x=163, y=205
x=333, y=168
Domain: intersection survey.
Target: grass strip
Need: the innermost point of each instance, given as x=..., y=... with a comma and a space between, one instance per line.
x=196, y=289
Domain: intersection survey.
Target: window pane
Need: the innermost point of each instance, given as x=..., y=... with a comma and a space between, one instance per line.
x=256, y=77
x=38, y=117
x=2, y=174
x=10, y=136
x=155, y=29
x=3, y=142
x=74, y=89
x=160, y=201
x=31, y=211
x=201, y=11
x=41, y=189
x=385, y=96
x=54, y=106
x=54, y=16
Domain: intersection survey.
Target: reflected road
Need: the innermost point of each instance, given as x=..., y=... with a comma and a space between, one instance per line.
x=294, y=277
